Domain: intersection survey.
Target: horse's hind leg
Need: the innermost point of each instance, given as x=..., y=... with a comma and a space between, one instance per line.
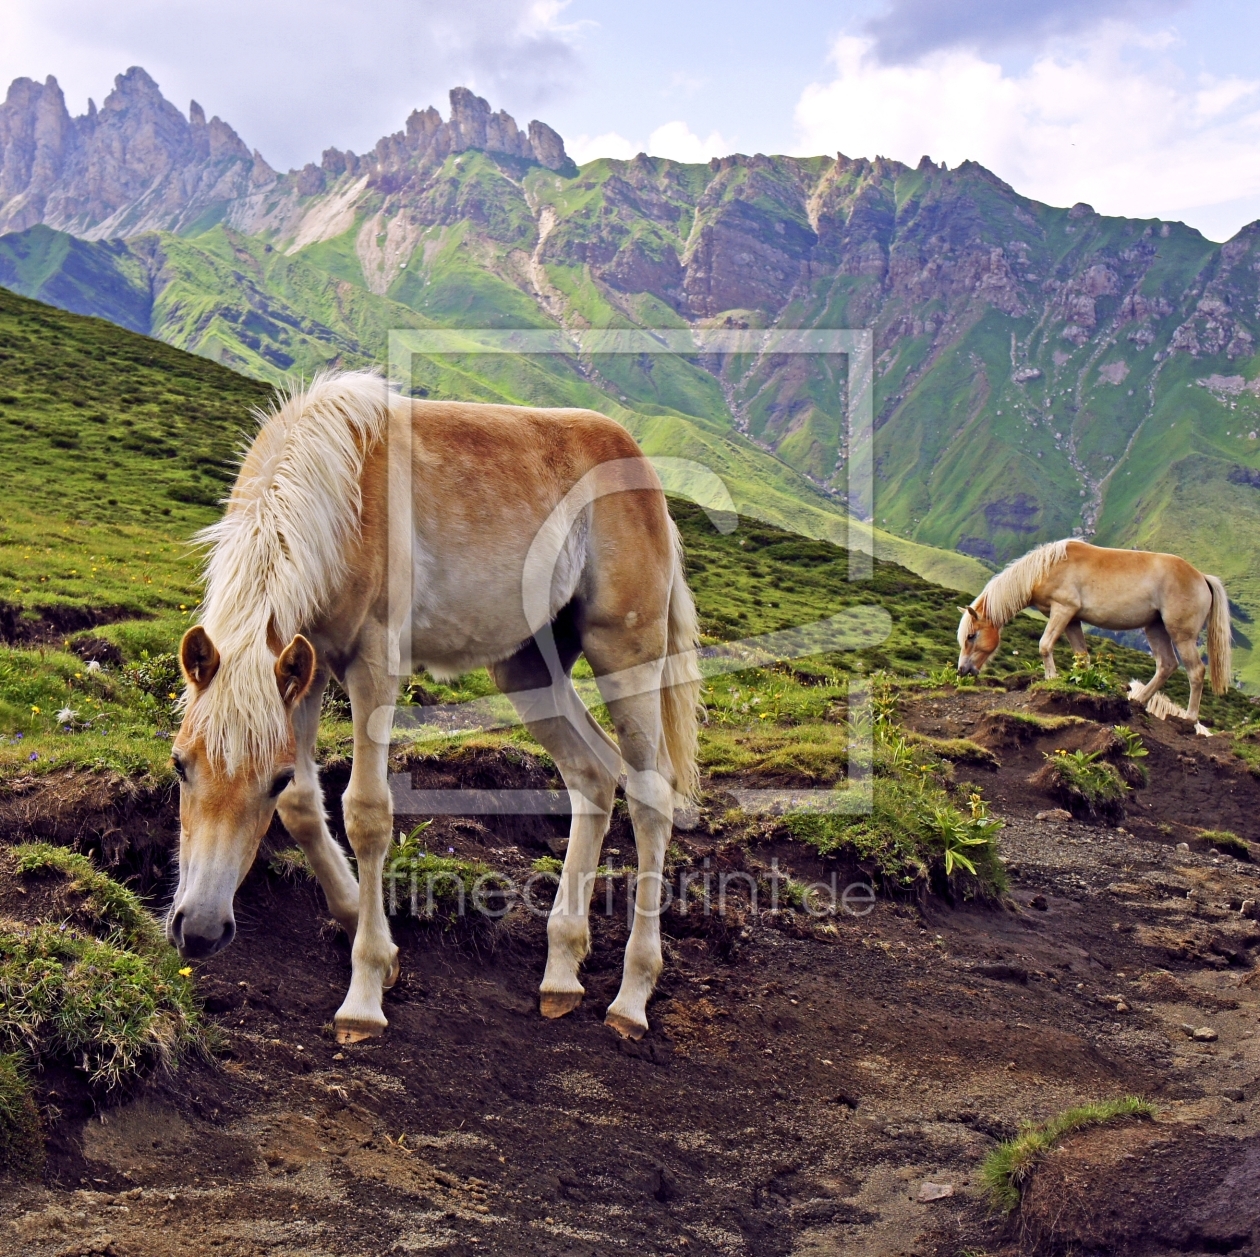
x=589, y=763
x=1187, y=643
x=628, y=665
x=1165, y=661
x=301, y=808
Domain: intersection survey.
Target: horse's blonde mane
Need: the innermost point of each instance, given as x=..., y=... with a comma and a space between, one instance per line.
x=1008, y=593
x=278, y=554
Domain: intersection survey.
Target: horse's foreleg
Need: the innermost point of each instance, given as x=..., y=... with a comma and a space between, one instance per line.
x=1060, y=618
x=368, y=812
x=1165, y=661
x=301, y=808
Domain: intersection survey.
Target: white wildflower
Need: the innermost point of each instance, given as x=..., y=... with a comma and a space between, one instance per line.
x=66, y=716
x=93, y=665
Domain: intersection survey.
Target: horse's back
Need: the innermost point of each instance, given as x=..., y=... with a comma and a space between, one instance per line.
x=1127, y=588
x=520, y=440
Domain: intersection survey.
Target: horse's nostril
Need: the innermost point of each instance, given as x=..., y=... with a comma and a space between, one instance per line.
x=201, y=941
x=176, y=929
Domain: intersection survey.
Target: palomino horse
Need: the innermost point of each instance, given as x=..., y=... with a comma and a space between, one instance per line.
x=1071, y=582
x=299, y=587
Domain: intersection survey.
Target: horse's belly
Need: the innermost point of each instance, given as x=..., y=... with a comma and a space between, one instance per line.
x=1127, y=612
x=474, y=612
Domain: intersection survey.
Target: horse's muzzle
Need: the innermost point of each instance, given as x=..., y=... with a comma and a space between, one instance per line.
x=195, y=939
x=968, y=669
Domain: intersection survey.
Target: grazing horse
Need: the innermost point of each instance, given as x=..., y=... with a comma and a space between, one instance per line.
x=529, y=537
x=1071, y=582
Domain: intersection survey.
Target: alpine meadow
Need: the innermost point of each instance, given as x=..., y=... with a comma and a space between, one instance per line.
x=955, y=954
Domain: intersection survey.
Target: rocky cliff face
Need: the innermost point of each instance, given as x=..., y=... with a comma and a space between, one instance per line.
x=133, y=165
x=137, y=164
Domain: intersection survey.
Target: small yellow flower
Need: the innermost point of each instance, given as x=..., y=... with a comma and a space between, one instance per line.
x=34, y=710
x=171, y=694
x=186, y=971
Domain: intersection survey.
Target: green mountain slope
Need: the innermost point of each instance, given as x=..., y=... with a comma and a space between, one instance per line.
x=115, y=446
x=1039, y=371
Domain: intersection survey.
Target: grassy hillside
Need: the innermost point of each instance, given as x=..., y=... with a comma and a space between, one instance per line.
x=116, y=448
x=1039, y=371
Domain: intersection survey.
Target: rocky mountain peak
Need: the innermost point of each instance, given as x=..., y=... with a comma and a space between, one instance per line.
x=135, y=164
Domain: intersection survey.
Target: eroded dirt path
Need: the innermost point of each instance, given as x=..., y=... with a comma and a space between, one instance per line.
x=803, y=1082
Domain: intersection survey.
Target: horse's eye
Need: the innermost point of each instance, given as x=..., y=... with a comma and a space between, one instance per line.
x=971, y=637
x=279, y=784
x=180, y=771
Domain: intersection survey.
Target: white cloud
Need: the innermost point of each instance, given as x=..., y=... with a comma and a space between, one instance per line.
x=677, y=141
x=1110, y=121
x=674, y=140
x=584, y=148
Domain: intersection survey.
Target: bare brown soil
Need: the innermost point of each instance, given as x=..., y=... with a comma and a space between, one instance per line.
x=801, y=1084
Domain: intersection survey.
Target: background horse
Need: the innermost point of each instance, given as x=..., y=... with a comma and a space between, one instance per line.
x=1071, y=582
x=531, y=536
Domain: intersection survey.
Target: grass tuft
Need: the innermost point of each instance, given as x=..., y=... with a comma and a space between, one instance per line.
x=442, y=889
x=958, y=750
x=1009, y=1166
x=291, y=865
x=106, y=902
x=1226, y=841
x=106, y=1010
x=21, y=1140
x=1083, y=782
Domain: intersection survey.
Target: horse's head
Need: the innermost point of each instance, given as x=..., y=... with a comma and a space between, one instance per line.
x=224, y=809
x=978, y=638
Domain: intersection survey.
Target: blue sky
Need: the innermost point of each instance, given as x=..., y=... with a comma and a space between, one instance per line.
x=1141, y=107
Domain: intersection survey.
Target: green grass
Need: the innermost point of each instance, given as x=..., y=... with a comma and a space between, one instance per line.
x=21, y=1136
x=440, y=889
x=291, y=865
x=92, y=1003
x=970, y=461
x=1084, y=782
x=1037, y=723
x=100, y=992
x=1226, y=841
x=1009, y=1166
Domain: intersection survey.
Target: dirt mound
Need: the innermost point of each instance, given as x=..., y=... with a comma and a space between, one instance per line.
x=1145, y=1189
x=54, y=623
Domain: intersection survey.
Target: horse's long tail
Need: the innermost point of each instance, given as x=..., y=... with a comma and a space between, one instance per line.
x=680, y=685
x=1219, y=637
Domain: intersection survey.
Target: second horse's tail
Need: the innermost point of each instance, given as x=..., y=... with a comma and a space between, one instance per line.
x=1219, y=637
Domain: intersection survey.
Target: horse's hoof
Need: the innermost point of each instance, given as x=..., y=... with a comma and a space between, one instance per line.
x=394, y=975
x=553, y=1006
x=625, y=1027
x=348, y=1032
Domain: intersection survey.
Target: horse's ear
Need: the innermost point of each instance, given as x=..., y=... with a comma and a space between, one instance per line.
x=198, y=657
x=966, y=611
x=295, y=670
